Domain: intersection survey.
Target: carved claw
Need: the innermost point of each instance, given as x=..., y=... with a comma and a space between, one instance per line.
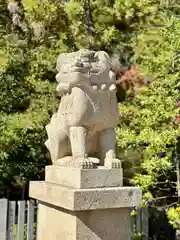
x=113, y=163
x=116, y=163
x=87, y=164
x=83, y=163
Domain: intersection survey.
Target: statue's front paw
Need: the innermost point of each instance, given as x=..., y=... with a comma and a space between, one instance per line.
x=87, y=164
x=116, y=163
x=112, y=163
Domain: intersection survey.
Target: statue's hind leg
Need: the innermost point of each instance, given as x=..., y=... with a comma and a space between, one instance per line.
x=57, y=143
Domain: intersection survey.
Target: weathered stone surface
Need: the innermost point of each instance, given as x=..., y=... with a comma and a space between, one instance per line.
x=84, y=178
x=83, y=126
x=85, y=199
x=107, y=224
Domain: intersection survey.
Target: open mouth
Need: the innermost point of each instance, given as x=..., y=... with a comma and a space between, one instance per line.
x=80, y=69
x=77, y=69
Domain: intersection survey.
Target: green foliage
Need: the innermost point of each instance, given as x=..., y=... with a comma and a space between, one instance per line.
x=25, y=231
x=149, y=117
x=27, y=75
x=138, y=236
x=174, y=217
x=115, y=24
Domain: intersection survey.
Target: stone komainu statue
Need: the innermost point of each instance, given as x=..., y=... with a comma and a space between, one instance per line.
x=82, y=133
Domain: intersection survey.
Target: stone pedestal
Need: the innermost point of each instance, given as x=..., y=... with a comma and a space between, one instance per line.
x=78, y=204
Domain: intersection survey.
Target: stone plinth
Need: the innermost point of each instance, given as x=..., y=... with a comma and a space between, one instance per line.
x=93, y=205
x=55, y=223
x=84, y=178
x=85, y=199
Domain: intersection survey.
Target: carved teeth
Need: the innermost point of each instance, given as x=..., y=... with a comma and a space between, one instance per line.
x=95, y=87
x=103, y=86
x=112, y=88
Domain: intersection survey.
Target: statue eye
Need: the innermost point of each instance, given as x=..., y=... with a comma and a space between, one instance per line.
x=81, y=65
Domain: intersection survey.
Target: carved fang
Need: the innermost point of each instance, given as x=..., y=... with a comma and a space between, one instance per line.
x=112, y=88
x=103, y=87
x=95, y=87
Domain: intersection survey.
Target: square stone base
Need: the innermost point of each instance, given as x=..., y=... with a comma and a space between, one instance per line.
x=84, y=178
x=55, y=223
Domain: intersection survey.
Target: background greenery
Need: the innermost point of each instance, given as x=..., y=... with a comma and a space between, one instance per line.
x=144, y=35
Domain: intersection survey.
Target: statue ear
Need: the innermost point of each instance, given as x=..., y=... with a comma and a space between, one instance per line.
x=103, y=57
x=116, y=66
x=60, y=61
